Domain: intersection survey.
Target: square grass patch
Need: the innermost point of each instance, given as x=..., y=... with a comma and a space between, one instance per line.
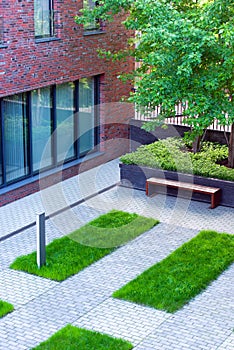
x=73, y=338
x=68, y=255
x=113, y=229
x=174, y=281
x=5, y=308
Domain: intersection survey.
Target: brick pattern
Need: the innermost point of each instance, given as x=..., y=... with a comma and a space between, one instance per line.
x=85, y=300
x=27, y=64
x=52, y=179
x=22, y=213
x=42, y=307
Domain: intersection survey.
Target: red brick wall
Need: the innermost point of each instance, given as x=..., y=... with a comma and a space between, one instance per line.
x=26, y=64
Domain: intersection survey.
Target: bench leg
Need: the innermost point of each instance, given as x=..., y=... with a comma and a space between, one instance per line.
x=215, y=199
x=147, y=189
x=213, y=204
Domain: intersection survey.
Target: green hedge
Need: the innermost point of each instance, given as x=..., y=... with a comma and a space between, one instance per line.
x=173, y=154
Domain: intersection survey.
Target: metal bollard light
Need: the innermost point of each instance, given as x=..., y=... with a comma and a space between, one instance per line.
x=41, y=244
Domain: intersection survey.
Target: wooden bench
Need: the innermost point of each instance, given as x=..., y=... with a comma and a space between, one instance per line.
x=214, y=192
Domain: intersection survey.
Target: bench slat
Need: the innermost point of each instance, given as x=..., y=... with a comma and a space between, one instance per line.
x=185, y=185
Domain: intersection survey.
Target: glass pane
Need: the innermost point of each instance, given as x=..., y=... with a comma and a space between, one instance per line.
x=65, y=121
x=15, y=136
x=96, y=23
x=41, y=128
x=86, y=115
x=43, y=20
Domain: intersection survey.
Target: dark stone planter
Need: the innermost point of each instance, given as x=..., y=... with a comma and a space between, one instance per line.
x=139, y=136
x=135, y=177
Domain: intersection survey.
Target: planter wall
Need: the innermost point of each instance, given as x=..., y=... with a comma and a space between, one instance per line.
x=135, y=177
x=139, y=136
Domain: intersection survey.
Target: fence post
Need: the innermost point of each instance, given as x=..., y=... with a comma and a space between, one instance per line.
x=41, y=244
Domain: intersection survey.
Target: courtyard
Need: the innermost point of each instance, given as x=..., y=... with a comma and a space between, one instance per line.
x=42, y=307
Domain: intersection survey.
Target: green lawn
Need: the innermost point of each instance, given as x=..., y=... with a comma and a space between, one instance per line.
x=73, y=338
x=174, y=281
x=5, y=308
x=113, y=229
x=68, y=255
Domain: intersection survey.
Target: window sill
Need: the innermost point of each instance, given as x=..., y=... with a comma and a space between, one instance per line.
x=93, y=32
x=44, y=40
x=32, y=178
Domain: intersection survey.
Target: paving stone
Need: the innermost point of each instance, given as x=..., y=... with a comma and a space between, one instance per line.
x=42, y=307
x=19, y=288
x=228, y=344
x=122, y=319
x=23, y=212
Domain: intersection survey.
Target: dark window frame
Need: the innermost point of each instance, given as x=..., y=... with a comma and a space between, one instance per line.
x=97, y=26
x=3, y=143
x=51, y=23
x=72, y=158
x=37, y=171
x=29, y=151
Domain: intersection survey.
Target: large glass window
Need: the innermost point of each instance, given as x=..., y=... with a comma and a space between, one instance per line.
x=43, y=18
x=65, y=121
x=86, y=115
x=43, y=128
x=15, y=137
x=41, y=111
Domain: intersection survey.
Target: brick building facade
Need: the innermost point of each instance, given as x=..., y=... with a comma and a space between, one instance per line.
x=59, y=102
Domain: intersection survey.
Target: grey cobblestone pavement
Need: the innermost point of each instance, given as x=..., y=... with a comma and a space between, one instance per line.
x=42, y=306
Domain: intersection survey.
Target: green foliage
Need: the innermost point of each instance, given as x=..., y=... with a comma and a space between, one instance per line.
x=174, y=281
x=5, y=308
x=73, y=338
x=172, y=154
x=101, y=233
x=68, y=255
x=213, y=152
x=186, y=55
x=114, y=219
x=167, y=154
x=64, y=258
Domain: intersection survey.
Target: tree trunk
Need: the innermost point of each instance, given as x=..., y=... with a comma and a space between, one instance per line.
x=231, y=148
x=197, y=144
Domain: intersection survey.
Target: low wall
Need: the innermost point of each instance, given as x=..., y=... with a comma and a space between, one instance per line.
x=135, y=177
x=139, y=136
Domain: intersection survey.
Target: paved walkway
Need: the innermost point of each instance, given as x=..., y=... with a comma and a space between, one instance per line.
x=42, y=306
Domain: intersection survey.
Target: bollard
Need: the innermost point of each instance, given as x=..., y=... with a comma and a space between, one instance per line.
x=41, y=246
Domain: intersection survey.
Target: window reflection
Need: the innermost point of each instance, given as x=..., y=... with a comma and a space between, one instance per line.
x=65, y=121
x=15, y=136
x=41, y=106
x=86, y=115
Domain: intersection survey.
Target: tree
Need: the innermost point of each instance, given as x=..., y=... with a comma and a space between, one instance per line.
x=185, y=51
